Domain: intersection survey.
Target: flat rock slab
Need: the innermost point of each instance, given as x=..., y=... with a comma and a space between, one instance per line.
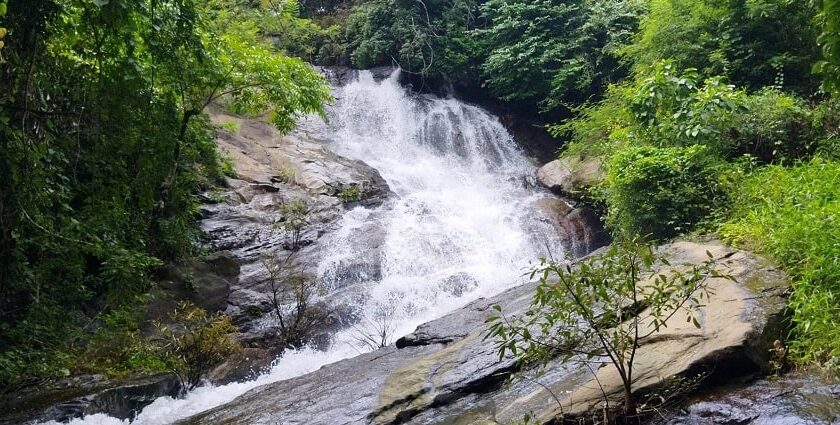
x=447, y=373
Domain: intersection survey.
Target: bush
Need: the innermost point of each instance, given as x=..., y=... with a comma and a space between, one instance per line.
x=662, y=192
x=670, y=107
x=195, y=342
x=793, y=215
x=772, y=126
x=753, y=43
x=294, y=296
x=117, y=348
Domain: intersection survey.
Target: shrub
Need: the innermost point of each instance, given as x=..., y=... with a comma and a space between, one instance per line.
x=287, y=174
x=772, y=126
x=295, y=217
x=672, y=108
x=793, y=215
x=195, y=342
x=352, y=193
x=662, y=192
x=294, y=297
x=826, y=121
x=117, y=348
x=753, y=43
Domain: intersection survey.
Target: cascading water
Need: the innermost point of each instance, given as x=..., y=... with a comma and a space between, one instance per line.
x=461, y=226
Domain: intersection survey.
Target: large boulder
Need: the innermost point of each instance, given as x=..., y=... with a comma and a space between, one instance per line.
x=271, y=161
x=571, y=176
x=446, y=372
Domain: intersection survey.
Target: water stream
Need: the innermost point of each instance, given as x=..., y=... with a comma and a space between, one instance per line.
x=460, y=227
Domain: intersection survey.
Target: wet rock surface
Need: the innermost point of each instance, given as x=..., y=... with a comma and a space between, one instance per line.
x=800, y=398
x=245, y=219
x=446, y=373
x=579, y=227
x=87, y=395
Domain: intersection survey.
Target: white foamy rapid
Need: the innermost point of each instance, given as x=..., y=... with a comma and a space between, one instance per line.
x=460, y=227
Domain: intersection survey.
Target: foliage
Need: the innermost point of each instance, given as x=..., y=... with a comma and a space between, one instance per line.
x=825, y=122
x=672, y=108
x=294, y=218
x=829, y=41
x=772, y=127
x=293, y=297
x=3, y=30
x=117, y=348
x=752, y=43
x=428, y=38
x=662, y=192
x=103, y=148
x=598, y=128
x=601, y=309
x=195, y=342
x=675, y=110
x=287, y=174
x=299, y=36
x=554, y=52
x=352, y=193
x=791, y=214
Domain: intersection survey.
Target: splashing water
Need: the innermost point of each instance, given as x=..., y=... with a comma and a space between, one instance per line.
x=460, y=227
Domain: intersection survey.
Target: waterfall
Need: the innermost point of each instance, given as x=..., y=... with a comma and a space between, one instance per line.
x=460, y=226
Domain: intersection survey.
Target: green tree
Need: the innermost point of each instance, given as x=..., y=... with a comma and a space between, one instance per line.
x=601, y=310
x=752, y=43
x=194, y=343
x=103, y=146
x=829, y=41
x=428, y=39
x=554, y=51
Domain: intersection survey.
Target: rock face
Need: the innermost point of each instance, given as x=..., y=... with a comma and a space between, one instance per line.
x=273, y=170
x=342, y=75
x=88, y=395
x=446, y=373
x=798, y=398
x=571, y=176
x=579, y=227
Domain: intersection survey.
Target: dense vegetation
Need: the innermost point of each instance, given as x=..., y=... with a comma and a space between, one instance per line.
x=696, y=109
x=104, y=146
x=723, y=128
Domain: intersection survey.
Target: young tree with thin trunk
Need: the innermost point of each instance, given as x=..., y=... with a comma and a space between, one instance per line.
x=601, y=310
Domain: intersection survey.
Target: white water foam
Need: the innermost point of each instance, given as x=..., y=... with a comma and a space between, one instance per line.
x=461, y=226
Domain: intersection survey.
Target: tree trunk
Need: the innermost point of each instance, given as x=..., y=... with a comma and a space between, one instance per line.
x=630, y=413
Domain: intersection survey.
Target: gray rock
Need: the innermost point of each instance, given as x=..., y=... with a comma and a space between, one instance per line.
x=571, y=176
x=795, y=399
x=579, y=227
x=88, y=395
x=446, y=372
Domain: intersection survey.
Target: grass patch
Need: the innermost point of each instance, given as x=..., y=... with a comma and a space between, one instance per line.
x=792, y=214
